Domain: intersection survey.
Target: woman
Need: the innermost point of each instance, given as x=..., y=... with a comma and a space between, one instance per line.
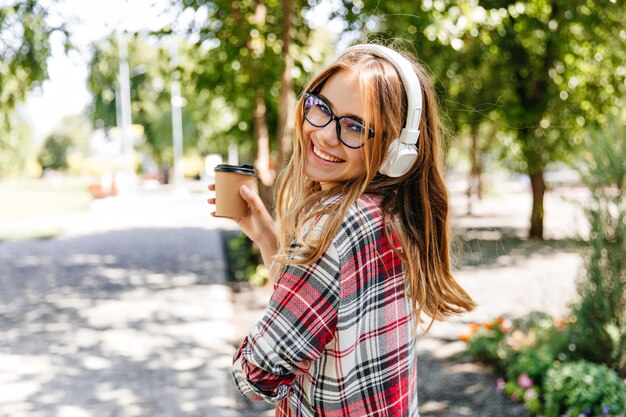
x=362, y=247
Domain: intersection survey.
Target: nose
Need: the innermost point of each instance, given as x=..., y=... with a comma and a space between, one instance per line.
x=328, y=134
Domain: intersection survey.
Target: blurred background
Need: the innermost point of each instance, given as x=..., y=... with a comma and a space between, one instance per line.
x=121, y=296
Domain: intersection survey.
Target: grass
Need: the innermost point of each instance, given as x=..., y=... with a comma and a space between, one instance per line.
x=24, y=199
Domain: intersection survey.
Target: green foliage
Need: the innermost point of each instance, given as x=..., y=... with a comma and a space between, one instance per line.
x=239, y=56
x=230, y=73
x=71, y=135
x=24, y=46
x=25, y=33
x=16, y=147
x=244, y=260
x=543, y=71
x=524, y=350
x=533, y=361
x=488, y=345
x=149, y=91
x=541, y=68
x=53, y=153
x=208, y=119
x=604, y=165
x=601, y=312
x=529, y=344
x=584, y=388
x=531, y=397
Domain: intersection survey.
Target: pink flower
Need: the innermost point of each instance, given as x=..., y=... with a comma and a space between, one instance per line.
x=524, y=381
x=530, y=395
x=499, y=385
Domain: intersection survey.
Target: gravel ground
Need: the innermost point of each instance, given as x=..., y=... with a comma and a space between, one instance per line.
x=126, y=312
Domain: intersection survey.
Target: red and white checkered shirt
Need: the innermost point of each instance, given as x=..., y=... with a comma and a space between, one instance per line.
x=337, y=339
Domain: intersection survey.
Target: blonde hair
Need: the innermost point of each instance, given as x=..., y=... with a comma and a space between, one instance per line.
x=415, y=205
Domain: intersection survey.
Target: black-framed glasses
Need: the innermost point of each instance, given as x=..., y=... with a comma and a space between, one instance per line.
x=350, y=130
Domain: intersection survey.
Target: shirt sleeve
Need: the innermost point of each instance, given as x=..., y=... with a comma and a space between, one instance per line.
x=300, y=321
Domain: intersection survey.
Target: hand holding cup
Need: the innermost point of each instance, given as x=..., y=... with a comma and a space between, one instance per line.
x=235, y=199
x=228, y=181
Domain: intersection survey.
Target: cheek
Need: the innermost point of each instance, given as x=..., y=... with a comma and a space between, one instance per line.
x=306, y=133
x=373, y=158
x=358, y=160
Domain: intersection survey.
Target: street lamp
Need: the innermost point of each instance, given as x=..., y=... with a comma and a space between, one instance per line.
x=125, y=120
x=177, y=118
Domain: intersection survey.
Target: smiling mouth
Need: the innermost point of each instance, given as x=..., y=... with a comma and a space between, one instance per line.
x=325, y=156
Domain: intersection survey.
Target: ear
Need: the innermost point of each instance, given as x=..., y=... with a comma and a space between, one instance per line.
x=399, y=159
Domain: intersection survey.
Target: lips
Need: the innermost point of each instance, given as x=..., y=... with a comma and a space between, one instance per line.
x=326, y=157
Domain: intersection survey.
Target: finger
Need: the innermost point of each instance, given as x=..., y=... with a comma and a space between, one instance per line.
x=211, y=201
x=252, y=198
x=236, y=219
x=211, y=187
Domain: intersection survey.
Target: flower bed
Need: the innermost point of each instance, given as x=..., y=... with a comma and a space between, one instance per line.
x=537, y=357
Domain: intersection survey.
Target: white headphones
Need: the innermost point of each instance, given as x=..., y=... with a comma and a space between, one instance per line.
x=402, y=152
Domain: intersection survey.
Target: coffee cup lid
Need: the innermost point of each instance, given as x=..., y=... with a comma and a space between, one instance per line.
x=239, y=169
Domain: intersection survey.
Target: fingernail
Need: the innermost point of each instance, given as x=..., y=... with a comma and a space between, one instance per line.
x=245, y=189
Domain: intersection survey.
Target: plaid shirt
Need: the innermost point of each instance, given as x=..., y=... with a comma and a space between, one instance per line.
x=337, y=338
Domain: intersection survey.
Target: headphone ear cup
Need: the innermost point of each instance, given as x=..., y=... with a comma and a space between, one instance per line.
x=399, y=159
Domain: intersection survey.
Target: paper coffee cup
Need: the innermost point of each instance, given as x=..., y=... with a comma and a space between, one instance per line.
x=228, y=181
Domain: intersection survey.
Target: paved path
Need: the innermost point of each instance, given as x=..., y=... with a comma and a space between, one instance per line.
x=126, y=313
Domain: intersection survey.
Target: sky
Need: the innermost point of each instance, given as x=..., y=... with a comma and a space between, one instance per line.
x=65, y=92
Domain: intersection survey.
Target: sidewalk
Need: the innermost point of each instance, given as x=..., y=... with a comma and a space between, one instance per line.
x=127, y=313
x=124, y=313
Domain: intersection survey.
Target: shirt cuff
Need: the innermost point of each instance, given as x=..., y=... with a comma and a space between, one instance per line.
x=256, y=383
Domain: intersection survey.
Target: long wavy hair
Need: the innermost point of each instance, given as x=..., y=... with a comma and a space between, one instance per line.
x=415, y=205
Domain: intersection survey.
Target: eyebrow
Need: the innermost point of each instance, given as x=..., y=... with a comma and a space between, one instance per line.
x=330, y=104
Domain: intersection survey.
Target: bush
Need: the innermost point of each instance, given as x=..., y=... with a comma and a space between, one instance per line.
x=601, y=313
x=245, y=263
x=584, y=389
x=532, y=362
x=549, y=341
x=524, y=349
x=487, y=343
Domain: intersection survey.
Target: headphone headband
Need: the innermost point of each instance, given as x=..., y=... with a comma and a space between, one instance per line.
x=410, y=132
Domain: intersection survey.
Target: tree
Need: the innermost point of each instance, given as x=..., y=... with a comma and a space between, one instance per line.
x=467, y=89
x=53, y=153
x=559, y=55
x=556, y=65
x=71, y=135
x=254, y=54
x=150, y=73
x=25, y=35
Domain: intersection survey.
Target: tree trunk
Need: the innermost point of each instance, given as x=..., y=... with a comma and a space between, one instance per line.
x=263, y=162
x=536, y=216
x=473, y=180
x=286, y=112
x=486, y=148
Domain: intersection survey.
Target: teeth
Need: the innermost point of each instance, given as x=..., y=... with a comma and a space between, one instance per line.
x=325, y=156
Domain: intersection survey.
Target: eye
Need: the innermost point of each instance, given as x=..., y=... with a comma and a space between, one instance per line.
x=355, y=126
x=321, y=106
x=309, y=102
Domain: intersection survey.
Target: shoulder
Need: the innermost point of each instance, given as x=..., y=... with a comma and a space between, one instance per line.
x=364, y=208
x=362, y=225
x=364, y=212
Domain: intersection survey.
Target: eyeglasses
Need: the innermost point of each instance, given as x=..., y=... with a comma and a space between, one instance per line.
x=350, y=130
